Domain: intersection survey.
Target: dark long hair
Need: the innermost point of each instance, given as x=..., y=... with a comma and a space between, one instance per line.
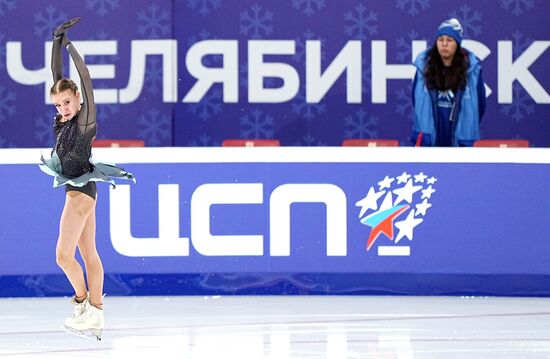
x=453, y=77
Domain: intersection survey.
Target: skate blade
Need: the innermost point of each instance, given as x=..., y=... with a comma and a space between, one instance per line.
x=90, y=334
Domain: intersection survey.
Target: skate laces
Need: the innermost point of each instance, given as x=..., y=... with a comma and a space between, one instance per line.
x=79, y=307
x=85, y=314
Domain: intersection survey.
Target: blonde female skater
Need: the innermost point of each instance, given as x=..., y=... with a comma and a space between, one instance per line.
x=70, y=164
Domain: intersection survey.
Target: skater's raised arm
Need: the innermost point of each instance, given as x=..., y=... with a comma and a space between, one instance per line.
x=87, y=116
x=57, y=58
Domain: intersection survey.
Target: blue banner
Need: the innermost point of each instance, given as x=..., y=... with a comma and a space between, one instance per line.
x=340, y=211
x=306, y=72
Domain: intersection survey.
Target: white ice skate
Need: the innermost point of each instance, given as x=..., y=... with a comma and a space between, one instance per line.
x=89, y=324
x=78, y=308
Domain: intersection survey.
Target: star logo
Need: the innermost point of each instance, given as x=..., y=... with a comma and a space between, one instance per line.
x=407, y=196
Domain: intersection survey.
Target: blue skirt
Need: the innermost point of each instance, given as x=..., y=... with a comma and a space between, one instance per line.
x=99, y=172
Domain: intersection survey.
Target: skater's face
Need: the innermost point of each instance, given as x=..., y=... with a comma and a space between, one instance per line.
x=446, y=46
x=67, y=104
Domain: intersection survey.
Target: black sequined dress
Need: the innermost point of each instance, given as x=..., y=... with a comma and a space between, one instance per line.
x=70, y=161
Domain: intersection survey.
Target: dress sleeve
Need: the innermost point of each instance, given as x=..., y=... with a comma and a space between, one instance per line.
x=87, y=115
x=57, y=59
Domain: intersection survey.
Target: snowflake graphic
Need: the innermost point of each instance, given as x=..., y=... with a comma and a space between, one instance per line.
x=155, y=23
x=204, y=140
x=44, y=130
x=361, y=126
x=404, y=47
x=300, y=55
x=208, y=60
x=243, y=71
x=7, y=106
x=307, y=110
x=208, y=106
x=521, y=106
x=4, y=143
x=362, y=22
x=102, y=7
x=520, y=43
x=156, y=127
x=47, y=21
x=203, y=35
x=516, y=6
x=6, y=5
x=309, y=140
x=404, y=102
x=256, y=125
x=413, y=6
x=470, y=21
x=256, y=23
x=153, y=75
x=309, y=5
x=204, y=7
x=106, y=112
x=2, y=51
x=102, y=59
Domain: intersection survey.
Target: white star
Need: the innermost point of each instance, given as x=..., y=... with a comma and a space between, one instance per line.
x=386, y=203
x=427, y=193
x=370, y=201
x=420, y=177
x=406, y=192
x=385, y=183
x=403, y=178
x=432, y=180
x=406, y=227
x=423, y=207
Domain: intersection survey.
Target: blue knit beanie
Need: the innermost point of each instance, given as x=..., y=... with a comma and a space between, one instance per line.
x=452, y=28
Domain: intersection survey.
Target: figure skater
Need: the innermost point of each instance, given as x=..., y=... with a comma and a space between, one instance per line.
x=75, y=129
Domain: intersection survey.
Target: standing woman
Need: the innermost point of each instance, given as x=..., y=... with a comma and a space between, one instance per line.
x=75, y=129
x=448, y=92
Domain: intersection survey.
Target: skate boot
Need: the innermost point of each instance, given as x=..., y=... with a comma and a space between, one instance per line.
x=89, y=324
x=78, y=307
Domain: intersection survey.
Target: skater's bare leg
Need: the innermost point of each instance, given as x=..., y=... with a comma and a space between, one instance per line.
x=94, y=267
x=89, y=322
x=78, y=207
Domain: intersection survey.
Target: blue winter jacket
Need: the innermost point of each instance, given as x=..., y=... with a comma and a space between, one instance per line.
x=466, y=113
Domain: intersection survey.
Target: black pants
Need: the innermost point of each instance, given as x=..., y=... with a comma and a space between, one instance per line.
x=89, y=189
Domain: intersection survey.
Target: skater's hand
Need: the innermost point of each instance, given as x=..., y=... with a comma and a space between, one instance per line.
x=65, y=41
x=60, y=31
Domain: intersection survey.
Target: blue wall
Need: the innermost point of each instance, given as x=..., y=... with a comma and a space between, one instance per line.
x=510, y=36
x=224, y=221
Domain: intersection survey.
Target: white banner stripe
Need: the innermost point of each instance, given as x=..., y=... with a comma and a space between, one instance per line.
x=394, y=251
x=294, y=155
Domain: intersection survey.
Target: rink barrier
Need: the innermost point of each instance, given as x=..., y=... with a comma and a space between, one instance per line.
x=224, y=221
